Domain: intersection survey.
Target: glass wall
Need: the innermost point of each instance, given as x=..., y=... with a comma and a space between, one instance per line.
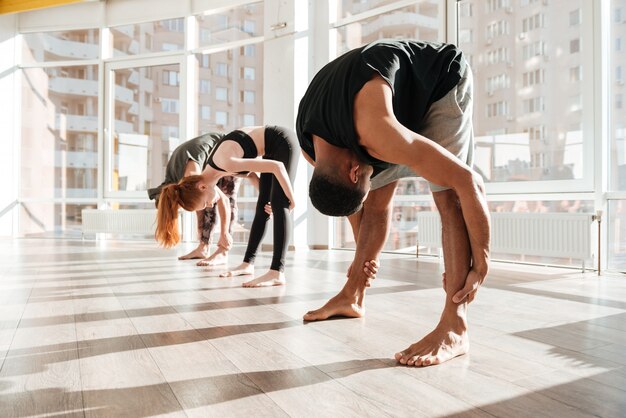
x=530, y=66
x=144, y=116
x=616, y=220
x=387, y=19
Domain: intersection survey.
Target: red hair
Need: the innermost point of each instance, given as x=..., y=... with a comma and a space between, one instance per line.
x=185, y=194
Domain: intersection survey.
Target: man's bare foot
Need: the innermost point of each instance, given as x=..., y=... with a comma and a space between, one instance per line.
x=242, y=270
x=271, y=278
x=201, y=251
x=218, y=258
x=341, y=305
x=444, y=343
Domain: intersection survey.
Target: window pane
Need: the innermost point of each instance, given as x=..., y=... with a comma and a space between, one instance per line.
x=237, y=89
x=61, y=46
x=347, y=8
x=163, y=35
x=420, y=21
x=531, y=126
x=617, y=112
x=54, y=220
x=617, y=235
x=238, y=23
x=59, y=149
x=145, y=132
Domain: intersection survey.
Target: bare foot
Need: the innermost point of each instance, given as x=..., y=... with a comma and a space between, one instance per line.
x=271, y=278
x=219, y=257
x=444, y=343
x=341, y=305
x=201, y=251
x=242, y=270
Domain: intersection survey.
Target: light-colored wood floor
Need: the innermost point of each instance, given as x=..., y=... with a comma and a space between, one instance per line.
x=124, y=329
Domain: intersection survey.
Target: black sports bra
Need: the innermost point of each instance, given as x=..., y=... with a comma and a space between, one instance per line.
x=244, y=141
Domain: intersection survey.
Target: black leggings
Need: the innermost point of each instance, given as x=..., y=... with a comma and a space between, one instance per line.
x=230, y=186
x=282, y=145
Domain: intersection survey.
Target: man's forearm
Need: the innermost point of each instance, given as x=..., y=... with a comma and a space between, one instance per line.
x=476, y=215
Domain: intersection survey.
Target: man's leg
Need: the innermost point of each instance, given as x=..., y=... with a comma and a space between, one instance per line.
x=450, y=338
x=374, y=221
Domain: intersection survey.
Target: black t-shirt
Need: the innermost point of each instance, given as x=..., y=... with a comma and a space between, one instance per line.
x=419, y=73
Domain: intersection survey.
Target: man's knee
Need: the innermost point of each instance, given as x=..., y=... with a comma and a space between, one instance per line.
x=448, y=202
x=381, y=199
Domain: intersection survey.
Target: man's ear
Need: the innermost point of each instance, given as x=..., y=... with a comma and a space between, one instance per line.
x=354, y=172
x=202, y=186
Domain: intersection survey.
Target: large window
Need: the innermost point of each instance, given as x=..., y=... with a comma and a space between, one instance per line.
x=92, y=141
x=550, y=73
x=361, y=22
x=617, y=150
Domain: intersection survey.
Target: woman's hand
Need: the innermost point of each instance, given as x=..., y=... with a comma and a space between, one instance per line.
x=225, y=241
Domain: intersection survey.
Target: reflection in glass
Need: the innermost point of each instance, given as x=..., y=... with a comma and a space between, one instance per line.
x=528, y=82
x=239, y=23
x=61, y=46
x=230, y=89
x=617, y=235
x=420, y=21
x=51, y=220
x=141, y=38
x=617, y=62
x=59, y=148
x=145, y=127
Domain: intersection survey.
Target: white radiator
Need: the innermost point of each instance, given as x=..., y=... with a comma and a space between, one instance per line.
x=119, y=221
x=541, y=234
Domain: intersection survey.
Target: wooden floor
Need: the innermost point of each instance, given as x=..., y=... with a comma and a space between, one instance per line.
x=124, y=329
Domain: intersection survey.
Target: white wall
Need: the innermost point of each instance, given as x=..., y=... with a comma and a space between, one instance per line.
x=9, y=89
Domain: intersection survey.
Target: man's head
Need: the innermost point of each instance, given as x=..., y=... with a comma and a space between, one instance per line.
x=338, y=188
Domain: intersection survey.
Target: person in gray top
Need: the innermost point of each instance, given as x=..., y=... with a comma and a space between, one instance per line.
x=188, y=158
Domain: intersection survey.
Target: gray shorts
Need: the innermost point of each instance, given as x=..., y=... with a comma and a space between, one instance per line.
x=448, y=122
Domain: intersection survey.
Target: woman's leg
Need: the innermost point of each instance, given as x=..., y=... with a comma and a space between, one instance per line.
x=283, y=223
x=205, y=223
x=230, y=186
x=257, y=230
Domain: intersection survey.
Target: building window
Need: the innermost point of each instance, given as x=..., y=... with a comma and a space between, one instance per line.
x=247, y=96
x=248, y=26
x=248, y=120
x=221, y=118
x=171, y=78
x=248, y=50
x=221, y=69
x=575, y=17
x=576, y=74
x=574, y=46
x=619, y=100
x=205, y=61
x=205, y=86
x=618, y=44
x=221, y=94
x=531, y=78
x=205, y=112
x=536, y=104
x=247, y=73
x=534, y=22
x=169, y=105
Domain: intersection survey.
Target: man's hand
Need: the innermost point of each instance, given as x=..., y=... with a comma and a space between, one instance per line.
x=370, y=268
x=473, y=281
x=225, y=241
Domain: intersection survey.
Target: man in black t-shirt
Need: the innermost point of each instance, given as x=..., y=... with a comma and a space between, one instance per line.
x=376, y=114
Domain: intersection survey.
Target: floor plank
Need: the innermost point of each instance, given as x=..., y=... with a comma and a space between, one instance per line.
x=106, y=328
